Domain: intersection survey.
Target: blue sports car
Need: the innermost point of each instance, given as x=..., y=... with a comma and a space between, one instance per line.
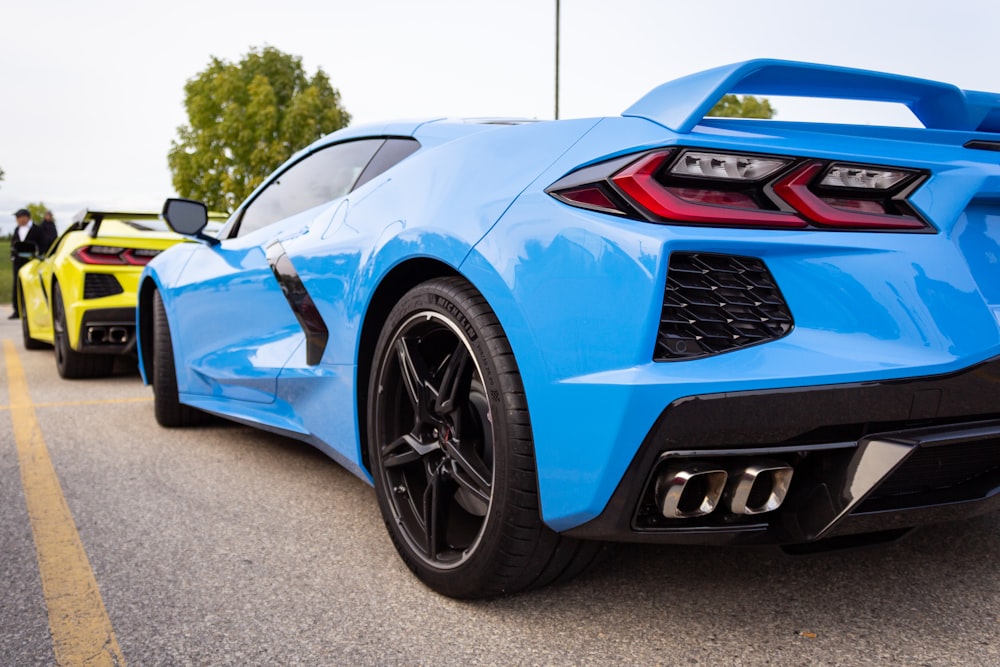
x=534, y=338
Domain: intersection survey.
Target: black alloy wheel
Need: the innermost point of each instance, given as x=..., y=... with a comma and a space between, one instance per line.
x=73, y=365
x=451, y=451
x=440, y=462
x=167, y=408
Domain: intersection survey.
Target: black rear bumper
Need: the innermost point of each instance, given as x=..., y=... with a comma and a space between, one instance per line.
x=108, y=331
x=867, y=457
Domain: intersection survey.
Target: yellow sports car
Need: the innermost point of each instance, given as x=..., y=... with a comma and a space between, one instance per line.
x=80, y=297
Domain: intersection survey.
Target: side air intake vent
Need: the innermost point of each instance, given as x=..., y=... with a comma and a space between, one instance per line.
x=97, y=285
x=718, y=303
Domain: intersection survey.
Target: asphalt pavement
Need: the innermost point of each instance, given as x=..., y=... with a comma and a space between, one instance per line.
x=222, y=545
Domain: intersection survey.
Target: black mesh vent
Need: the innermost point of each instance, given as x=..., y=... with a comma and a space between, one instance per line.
x=718, y=303
x=97, y=285
x=933, y=469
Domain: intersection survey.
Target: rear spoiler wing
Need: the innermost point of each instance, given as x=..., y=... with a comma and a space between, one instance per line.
x=81, y=218
x=85, y=216
x=681, y=104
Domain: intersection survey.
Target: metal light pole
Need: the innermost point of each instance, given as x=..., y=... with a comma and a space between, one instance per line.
x=557, y=59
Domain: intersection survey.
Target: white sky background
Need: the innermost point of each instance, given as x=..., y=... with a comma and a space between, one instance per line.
x=91, y=93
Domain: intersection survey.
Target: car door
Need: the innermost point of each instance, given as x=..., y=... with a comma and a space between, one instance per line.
x=239, y=327
x=40, y=290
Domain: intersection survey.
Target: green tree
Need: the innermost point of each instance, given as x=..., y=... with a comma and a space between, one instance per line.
x=733, y=106
x=37, y=211
x=244, y=120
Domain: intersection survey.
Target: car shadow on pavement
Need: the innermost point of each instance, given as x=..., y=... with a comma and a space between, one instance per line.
x=931, y=594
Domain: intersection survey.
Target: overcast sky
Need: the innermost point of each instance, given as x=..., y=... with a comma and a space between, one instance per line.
x=92, y=92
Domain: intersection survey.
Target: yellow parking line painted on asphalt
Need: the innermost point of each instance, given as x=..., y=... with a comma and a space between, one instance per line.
x=81, y=629
x=103, y=401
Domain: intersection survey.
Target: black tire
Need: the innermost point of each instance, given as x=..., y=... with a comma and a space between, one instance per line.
x=73, y=365
x=451, y=451
x=169, y=411
x=29, y=342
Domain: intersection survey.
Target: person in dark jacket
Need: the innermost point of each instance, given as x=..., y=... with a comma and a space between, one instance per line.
x=49, y=231
x=26, y=232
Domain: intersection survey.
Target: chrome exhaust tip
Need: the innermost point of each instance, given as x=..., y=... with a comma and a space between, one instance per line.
x=97, y=334
x=690, y=491
x=118, y=335
x=759, y=488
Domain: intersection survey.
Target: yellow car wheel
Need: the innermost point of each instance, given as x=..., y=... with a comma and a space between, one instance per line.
x=71, y=364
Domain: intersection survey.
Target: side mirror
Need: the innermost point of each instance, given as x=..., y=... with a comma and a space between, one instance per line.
x=25, y=249
x=188, y=217
x=185, y=216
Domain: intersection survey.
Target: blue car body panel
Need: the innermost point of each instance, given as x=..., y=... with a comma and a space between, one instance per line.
x=579, y=292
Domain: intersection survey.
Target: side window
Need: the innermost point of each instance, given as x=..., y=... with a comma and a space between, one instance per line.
x=392, y=153
x=318, y=178
x=54, y=248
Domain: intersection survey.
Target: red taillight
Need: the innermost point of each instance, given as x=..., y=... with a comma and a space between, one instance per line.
x=696, y=186
x=794, y=189
x=99, y=254
x=103, y=255
x=140, y=256
x=639, y=183
x=714, y=197
x=589, y=196
x=861, y=205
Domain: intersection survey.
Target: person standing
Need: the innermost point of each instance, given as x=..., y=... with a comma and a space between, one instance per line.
x=25, y=231
x=49, y=232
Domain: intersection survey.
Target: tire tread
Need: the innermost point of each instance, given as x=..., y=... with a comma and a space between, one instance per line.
x=168, y=409
x=73, y=365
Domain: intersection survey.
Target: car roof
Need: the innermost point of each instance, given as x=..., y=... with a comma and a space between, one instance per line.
x=434, y=130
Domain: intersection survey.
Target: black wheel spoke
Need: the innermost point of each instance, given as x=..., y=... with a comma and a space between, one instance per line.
x=435, y=511
x=472, y=476
x=455, y=381
x=58, y=326
x=416, y=377
x=404, y=450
